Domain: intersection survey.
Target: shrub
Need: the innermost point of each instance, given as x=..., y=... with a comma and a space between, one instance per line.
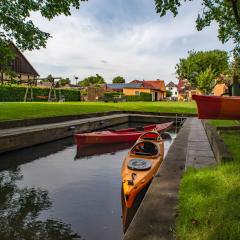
x=142, y=97
x=16, y=93
x=111, y=96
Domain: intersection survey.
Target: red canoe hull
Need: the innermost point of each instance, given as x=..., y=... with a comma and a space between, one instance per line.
x=215, y=107
x=124, y=135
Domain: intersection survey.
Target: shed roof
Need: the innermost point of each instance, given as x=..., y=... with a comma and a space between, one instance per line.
x=20, y=64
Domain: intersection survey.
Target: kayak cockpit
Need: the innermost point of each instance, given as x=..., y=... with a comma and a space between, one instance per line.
x=145, y=148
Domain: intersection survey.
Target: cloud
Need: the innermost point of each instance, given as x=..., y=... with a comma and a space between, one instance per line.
x=114, y=38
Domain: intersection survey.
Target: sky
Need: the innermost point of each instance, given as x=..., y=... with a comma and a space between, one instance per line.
x=121, y=37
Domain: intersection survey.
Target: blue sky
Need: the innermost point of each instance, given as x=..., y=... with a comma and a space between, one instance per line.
x=121, y=37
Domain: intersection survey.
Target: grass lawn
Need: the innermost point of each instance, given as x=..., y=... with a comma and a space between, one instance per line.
x=227, y=123
x=10, y=111
x=209, y=206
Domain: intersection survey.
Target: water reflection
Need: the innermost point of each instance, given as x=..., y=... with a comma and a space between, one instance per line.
x=12, y=160
x=43, y=184
x=93, y=150
x=99, y=149
x=20, y=208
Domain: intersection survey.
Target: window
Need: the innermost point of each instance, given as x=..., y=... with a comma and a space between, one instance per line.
x=137, y=93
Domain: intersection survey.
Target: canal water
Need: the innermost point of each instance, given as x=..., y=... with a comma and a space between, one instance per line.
x=51, y=191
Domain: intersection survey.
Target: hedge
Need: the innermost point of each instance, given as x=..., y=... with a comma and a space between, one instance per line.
x=142, y=97
x=15, y=93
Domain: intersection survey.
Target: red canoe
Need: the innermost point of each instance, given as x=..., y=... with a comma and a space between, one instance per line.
x=117, y=136
x=215, y=107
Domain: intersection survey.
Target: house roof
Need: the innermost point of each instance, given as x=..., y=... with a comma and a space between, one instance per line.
x=21, y=65
x=116, y=85
x=124, y=85
x=133, y=85
x=171, y=84
x=183, y=84
x=151, y=84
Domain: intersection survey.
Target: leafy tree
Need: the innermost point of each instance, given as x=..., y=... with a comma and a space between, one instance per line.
x=63, y=82
x=198, y=62
x=16, y=23
x=6, y=57
x=206, y=81
x=16, y=26
x=226, y=13
x=118, y=79
x=92, y=80
x=168, y=93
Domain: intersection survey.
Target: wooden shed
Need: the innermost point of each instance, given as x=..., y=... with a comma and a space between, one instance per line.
x=21, y=66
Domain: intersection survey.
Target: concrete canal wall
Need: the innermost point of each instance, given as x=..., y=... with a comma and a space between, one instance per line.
x=219, y=148
x=21, y=137
x=155, y=218
x=59, y=119
x=30, y=135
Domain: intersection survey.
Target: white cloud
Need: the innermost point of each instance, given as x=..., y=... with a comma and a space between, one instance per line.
x=83, y=46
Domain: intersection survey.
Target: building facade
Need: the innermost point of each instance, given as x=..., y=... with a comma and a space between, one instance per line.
x=185, y=90
x=156, y=88
x=173, y=88
x=21, y=66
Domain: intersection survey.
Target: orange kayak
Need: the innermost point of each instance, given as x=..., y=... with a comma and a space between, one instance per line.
x=138, y=169
x=215, y=107
x=140, y=165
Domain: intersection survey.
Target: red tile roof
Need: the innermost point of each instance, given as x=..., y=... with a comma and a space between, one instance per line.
x=152, y=84
x=183, y=85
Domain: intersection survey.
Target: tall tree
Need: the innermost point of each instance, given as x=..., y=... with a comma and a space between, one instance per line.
x=92, y=80
x=198, y=62
x=16, y=25
x=226, y=13
x=206, y=81
x=118, y=79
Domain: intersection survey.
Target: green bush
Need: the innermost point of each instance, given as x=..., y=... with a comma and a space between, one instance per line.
x=15, y=93
x=111, y=96
x=147, y=97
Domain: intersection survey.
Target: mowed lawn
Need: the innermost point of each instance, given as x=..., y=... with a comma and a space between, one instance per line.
x=15, y=110
x=209, y=206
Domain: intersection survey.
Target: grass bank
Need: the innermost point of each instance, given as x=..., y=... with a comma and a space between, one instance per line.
x=10, y=111
x=209, y=206
x=227, y=123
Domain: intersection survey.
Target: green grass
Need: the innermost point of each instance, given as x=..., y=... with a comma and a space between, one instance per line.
x=209, y=206
x=10, y=111
x=227, y=123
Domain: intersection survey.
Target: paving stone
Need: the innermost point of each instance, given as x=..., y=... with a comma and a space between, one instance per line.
x=199, y=151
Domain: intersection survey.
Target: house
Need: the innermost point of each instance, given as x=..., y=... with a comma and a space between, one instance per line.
x=96, y=92
x=220, y=89
x=21, y=66
x=185, y=90
x=156, y=88
x=173, y=88
x=117, y=87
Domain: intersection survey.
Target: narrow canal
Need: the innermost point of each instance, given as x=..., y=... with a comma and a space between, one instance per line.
x=51, y=192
